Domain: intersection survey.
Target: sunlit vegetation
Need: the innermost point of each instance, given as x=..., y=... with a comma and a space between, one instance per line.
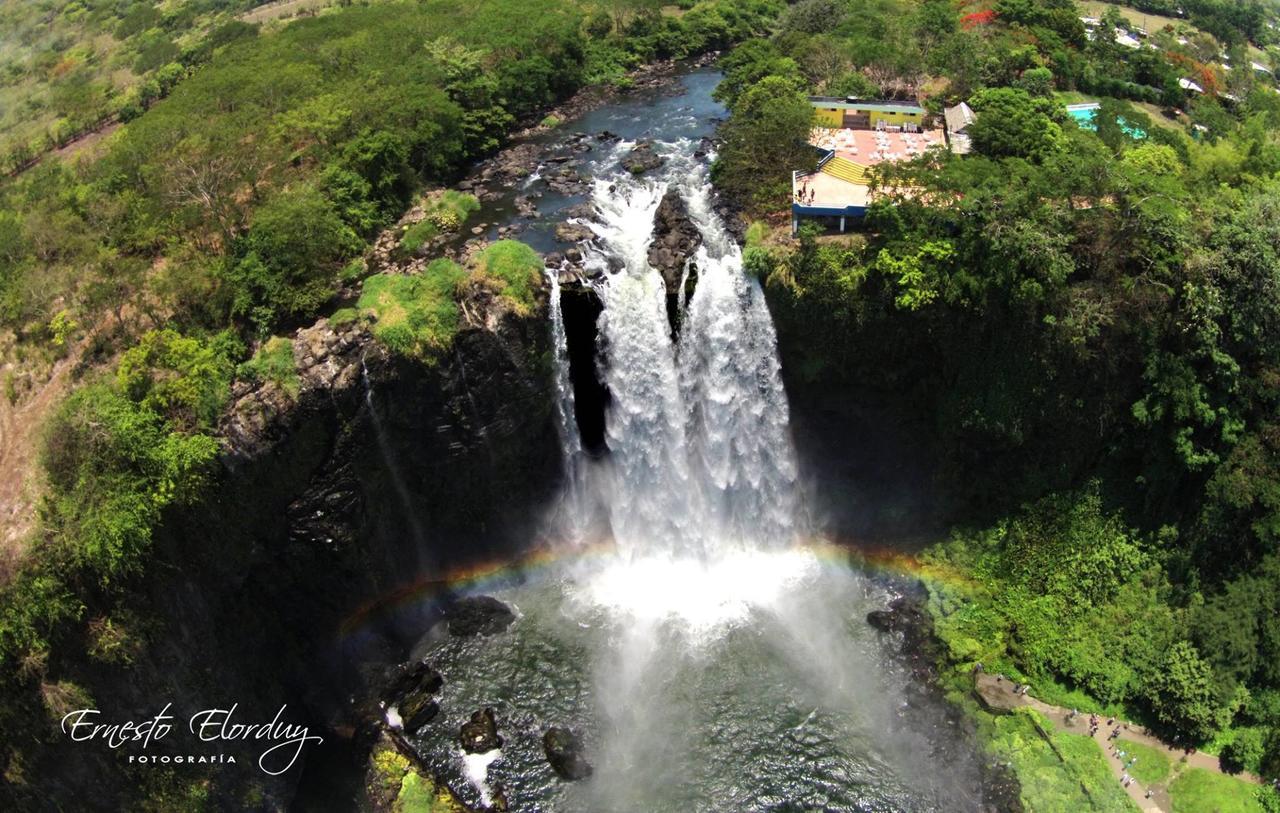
x=70, y=67
x=514, y=270
x=1058, y=771
x=415, y=315
x=1081, y=321
x=1197, y=789
x=444, y=211
x=273, y=361
x=1152, y=764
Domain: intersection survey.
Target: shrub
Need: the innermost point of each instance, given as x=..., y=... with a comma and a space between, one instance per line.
x=112, y=467
x=415, y=315
x=1244, y=752
x=453, y=206
x=273, y=362
x=180, y=378
x=418, y=234
x=1183, y=695
x=290, y=258
x=515, y=269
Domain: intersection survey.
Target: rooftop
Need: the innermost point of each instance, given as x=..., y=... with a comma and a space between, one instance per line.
x=958, y=117
x=873, y=105
x=820, y=190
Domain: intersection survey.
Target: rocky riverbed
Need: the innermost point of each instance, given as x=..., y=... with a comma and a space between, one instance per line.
x=537, y=189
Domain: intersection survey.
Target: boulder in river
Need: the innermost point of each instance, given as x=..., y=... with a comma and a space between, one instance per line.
x=675, y=239
x=478, y=615
x=567, y=181
x=573, y=232
x=642, y=158
x=411, y=689
x=564, y=753
x=411, y=677
x=480, y=734
x=416, y=709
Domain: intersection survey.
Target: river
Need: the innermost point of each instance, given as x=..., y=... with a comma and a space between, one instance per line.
x=711, y=653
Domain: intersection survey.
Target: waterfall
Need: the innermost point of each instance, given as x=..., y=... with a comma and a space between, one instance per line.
x=701, y=462
x=572, y=510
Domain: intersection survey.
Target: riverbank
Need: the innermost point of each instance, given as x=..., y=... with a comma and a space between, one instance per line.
x=1157, y=777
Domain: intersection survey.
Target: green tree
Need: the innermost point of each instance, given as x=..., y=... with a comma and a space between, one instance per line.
x=180, y=378
x=1184, y=697
x=1244, y=752
x=288, y=262
x=765, y=140
x=112, y=467
x=1011, y=123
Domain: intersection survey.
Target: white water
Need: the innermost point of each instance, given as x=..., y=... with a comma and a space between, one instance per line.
x=709, y=662
x=700, y=460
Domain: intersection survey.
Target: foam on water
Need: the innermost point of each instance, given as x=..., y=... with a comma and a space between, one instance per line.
x=697, y=596
x=700, y=457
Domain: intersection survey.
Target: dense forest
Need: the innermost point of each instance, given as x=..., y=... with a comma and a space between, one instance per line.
x=1086, y=322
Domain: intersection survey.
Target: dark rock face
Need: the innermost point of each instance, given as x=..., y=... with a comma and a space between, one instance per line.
x=411, y=689
x=412, y=677
x=478, y=615
x=416, y=710
x=906, y=615
x=480, y=733
x=675, y=239
x=375, y=469
x=642, y=158
x=564, y=753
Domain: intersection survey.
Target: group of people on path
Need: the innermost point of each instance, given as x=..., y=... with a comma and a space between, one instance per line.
x=1119, y=753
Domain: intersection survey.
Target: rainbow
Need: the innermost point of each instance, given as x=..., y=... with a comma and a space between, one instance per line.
x=431, y=591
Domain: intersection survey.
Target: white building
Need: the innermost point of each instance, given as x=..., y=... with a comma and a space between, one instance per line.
x=1125, y=39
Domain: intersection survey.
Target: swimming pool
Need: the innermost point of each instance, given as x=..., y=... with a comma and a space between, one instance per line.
x=1084, y=113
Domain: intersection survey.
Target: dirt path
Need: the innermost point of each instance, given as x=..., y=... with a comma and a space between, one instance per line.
x=19, y=447
x=996, y=692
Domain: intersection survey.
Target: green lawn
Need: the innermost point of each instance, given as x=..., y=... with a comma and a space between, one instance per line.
x=1152, y=765
x=1151, y=22
x=1197, y=790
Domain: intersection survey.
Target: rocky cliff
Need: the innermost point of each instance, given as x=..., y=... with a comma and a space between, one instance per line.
x=373, y=476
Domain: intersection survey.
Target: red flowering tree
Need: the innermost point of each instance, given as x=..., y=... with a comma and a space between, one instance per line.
x=971, y=21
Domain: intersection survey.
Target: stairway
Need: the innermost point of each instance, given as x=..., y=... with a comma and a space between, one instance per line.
x=847, y=170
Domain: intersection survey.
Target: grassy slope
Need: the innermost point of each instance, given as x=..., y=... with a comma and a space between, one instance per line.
x=66, y=65
x=1199, y=791
x=1059, y=772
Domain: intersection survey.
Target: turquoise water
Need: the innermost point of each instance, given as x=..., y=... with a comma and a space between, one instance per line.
x=1084, y=118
